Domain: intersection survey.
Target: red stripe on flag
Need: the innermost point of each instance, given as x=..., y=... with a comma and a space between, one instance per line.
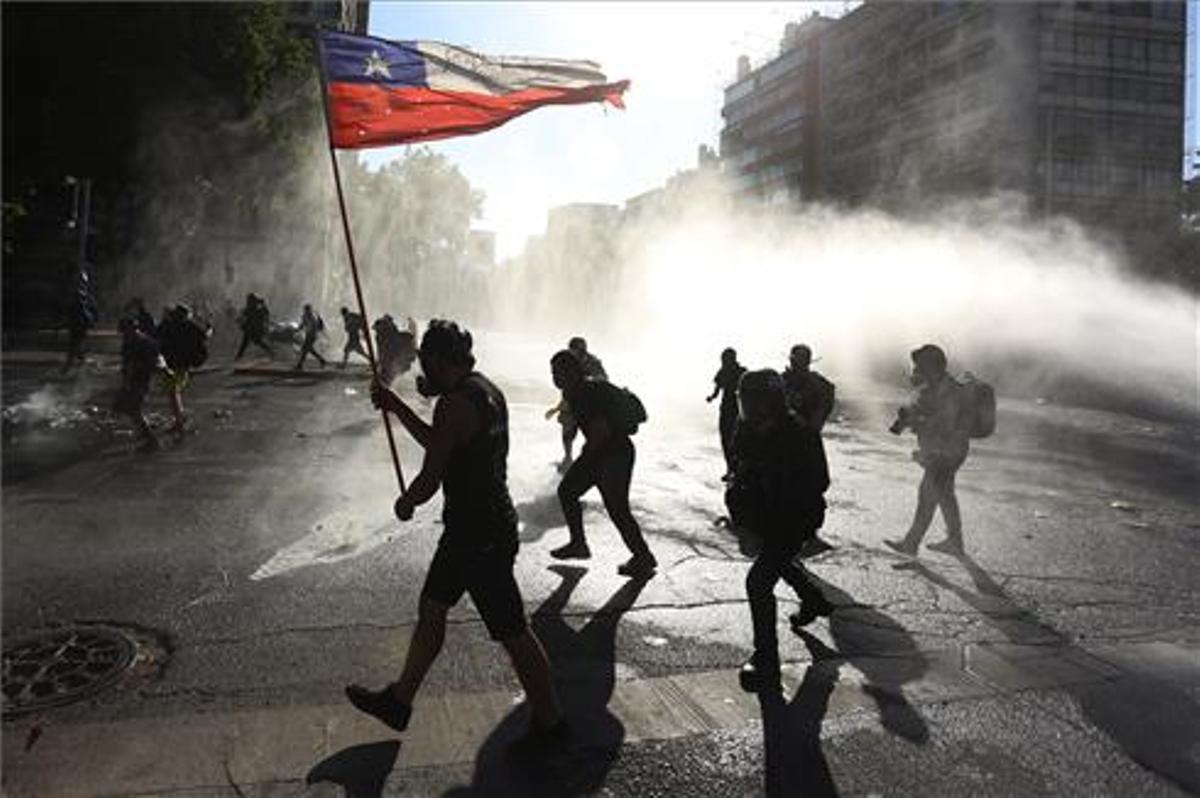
x=371, y=115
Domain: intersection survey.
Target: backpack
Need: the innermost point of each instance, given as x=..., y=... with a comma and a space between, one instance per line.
x=192, y=344
x=627, y=411
x=979, y=412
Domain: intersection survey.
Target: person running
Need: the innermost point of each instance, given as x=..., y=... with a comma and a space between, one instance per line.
x=140, y=359
x=606, y=462
x=466, y=453
x=184, y=346
x=943, y=440
x=311, y=325
x=809, y=394
x=394, y=347
x=725, y=385
x=592, y=369
x=779, y=485
x=255, y=320
x=355, y=328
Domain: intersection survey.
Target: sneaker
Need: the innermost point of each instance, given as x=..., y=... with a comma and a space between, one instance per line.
x=754, y=679
x=541, y=740
x=809, y=611
x=381, y=705
x=947, y=546
x=638, y=567
x=571, y=551
x=902, y=546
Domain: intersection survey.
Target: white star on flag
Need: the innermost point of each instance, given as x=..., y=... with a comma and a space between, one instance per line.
x=377, y=66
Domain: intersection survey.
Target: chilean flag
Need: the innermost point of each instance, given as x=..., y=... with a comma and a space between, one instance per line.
x=383, y=92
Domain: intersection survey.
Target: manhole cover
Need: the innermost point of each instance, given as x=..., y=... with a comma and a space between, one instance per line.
x=59, y=666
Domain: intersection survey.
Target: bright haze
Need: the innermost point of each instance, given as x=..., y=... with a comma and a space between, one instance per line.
x=1038, y=307
x=679, y=58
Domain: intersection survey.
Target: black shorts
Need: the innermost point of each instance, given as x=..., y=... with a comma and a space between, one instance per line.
x=485, y=573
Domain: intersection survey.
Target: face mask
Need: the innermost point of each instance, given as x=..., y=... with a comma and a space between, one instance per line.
x=424, y=384
x=425, y=387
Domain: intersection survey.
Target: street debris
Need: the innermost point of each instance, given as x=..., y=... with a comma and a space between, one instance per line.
x=351, y=392
x=1123, y=506
x=656, y=642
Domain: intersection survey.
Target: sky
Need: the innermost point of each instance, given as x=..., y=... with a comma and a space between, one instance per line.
x=679, y=57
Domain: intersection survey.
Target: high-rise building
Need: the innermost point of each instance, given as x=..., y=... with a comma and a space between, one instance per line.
x=344, y=15
x=1076, y=105
x=770, y=143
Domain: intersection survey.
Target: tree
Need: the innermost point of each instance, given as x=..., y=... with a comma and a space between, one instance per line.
x=411, y=222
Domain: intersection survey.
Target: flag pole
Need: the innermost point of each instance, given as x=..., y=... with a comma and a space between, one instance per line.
x=358, y=293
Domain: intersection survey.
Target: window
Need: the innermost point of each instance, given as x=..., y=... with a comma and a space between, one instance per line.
x=1086, y=44
x=1168, y=10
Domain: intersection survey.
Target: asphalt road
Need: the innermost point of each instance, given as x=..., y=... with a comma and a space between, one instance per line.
x=261, y=551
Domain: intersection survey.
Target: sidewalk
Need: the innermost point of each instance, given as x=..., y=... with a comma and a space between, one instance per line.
x=257, y=368
x=244, y=749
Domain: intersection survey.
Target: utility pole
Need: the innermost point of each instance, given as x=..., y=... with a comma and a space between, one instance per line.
x=79, y=216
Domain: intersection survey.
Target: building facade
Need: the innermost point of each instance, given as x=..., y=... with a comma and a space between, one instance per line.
x=770, y=143
x=1076, y=105
x=345, y=15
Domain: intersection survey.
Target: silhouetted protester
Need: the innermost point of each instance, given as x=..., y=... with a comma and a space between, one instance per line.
x=466, y=453
x=725, y=385
x=394, y=347
x=140, y=359
x=592, y=369
x=311, y=325
x=81, y=317
x=136, y=310
x=809, y=395
x=183, y=343
x=608, y=416
x=355, y=328
x=939, y=417
x=778, y=493
x=255, y=320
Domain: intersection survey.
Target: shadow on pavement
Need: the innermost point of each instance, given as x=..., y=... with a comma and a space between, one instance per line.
x=584, y=664
x=887, y=656
x=1137, y=711
x=795, y=763
x=360, y=770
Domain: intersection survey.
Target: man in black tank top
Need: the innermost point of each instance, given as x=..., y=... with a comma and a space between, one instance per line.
x=466, y=452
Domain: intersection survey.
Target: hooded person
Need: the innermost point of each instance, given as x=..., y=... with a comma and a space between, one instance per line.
x=777, y=495
x=606, y=462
